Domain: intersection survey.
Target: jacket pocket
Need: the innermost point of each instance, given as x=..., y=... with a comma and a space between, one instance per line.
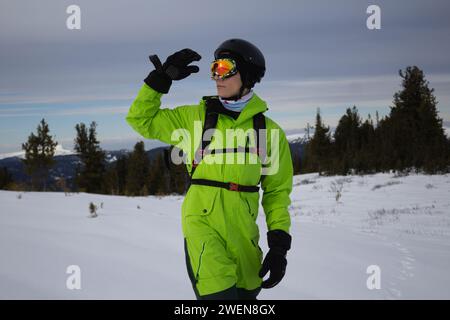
x=198, y=205
x=255, y=241
x=249, y=215
x=252, y=202
x=199, y=200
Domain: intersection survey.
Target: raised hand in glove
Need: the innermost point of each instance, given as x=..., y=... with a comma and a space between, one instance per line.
x=176, y=67
x=275, y=261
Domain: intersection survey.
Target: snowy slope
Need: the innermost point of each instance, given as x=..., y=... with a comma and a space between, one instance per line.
x=401, y=224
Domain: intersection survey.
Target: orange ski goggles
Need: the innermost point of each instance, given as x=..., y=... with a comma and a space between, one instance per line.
x=223, y=68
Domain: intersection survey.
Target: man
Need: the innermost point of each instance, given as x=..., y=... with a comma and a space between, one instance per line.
x=219, y=211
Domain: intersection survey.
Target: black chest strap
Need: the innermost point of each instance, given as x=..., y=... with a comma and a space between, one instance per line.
x=211, y=118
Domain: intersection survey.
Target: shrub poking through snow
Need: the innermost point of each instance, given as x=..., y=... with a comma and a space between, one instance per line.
x=306, y=181
x=336, y=187
x=93, y=210
x=387, y=184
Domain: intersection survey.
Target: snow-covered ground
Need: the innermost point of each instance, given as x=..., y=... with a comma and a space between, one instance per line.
x=134, y=248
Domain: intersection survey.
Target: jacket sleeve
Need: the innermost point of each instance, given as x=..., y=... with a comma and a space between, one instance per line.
x=278, y=186
x=146, y=117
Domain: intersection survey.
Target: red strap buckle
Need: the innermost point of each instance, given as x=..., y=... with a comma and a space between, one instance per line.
x=198, y=153
x=234, y=187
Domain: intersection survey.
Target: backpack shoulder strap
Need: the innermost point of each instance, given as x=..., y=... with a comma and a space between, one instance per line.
x=259, y=123
x=211, y=119
x=210, y=122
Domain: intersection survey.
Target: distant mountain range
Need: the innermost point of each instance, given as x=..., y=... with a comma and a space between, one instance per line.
x=59, y=151
x=66, y=161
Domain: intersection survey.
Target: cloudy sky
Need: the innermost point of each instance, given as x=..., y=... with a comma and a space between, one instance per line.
x=319, y=54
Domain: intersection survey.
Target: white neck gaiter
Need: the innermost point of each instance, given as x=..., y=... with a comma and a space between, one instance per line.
x=238, y=105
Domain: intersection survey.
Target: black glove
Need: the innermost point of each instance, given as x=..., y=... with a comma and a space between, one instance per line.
x=279, y=243
x=175, y=68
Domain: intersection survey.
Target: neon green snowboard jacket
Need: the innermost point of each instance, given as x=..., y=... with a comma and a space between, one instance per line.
x=220, y=225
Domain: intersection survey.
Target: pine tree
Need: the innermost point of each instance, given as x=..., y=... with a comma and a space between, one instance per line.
x=138, y=170
x=417, y=138
x=90, y=176
x=158, y=177
x=347, y=142
x=39, y=151
x=121, y=168
x=296, y=162
x=385, y=160
x=367, y=154
x=5, y=178
x=178, y=175
x=317, y=153
x=111, y=181
x=115, y=176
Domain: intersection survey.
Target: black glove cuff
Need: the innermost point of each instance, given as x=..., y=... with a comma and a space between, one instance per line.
x=279, y=239
x=159, y=82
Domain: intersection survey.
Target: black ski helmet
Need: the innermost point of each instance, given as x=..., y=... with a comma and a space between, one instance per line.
x=250, y=60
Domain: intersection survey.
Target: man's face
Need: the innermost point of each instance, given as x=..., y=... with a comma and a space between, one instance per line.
x=229, y=86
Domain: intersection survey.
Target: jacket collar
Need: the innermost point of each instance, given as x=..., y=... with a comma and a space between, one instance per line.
x=254, y=106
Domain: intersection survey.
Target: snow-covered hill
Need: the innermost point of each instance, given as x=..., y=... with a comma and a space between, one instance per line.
x=134, y=248
x=295, y=137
